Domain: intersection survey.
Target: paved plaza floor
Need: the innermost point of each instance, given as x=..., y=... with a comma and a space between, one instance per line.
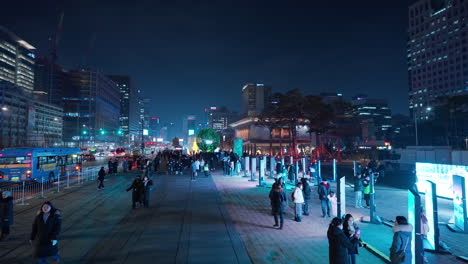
x=218, y=219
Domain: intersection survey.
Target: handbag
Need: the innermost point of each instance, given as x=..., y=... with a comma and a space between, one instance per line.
x=400, y=256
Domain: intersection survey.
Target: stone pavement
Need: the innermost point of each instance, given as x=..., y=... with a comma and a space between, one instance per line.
x=306, y=242
x=186, y=223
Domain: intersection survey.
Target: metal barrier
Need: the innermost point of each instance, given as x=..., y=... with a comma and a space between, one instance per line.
x=72, y=178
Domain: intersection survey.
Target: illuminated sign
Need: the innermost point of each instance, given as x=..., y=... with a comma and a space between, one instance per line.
x=159, y=140
x=145, y=132
x=191, y=117
x=458, y=202
x=430, y=205
x=213, y=108
x=154, y=118
x=440, y=174
x=191, y=132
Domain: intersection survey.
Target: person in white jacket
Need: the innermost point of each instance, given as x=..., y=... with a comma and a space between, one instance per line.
x=298, y=200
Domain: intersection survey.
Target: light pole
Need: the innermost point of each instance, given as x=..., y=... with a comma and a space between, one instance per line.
x=4, y=109
x=428, y=109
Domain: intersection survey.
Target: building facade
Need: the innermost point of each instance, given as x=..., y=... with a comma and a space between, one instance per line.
x=219, y=118
x=16, y=60
x=375, y=117
x=91, y=109
x=437, y=52
x=129, y=105
x=51, y=80
x=13, y=115
x=45, y=123
x=255, y=97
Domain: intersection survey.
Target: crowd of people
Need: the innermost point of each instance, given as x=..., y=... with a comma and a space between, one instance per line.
x=343, y=234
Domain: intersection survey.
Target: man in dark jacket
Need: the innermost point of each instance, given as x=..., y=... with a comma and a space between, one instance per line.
x=323, y=192
x=101, y=175
x=138, y=191
x=6, y=214
x=338, y=243
x=45, y=233
x=306, y=191
x=278, y=204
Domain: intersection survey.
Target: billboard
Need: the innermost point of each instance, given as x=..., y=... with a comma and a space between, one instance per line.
x=440, y=174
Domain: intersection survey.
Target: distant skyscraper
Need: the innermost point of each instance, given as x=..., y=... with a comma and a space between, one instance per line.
x=154, y=127
x=51, y=80
x=189, y=126
x=91, y=108
x=220, y=117
x=437, y=52
x=255, y=97
x=375, y=115
x=16, y=60
x=129, y=105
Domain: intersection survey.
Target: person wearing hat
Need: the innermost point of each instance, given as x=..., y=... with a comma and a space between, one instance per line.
x=45, y=233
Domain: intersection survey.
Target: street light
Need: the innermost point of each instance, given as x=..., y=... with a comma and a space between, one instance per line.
x=4, y=108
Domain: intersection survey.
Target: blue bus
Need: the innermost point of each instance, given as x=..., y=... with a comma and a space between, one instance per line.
x=38, y=164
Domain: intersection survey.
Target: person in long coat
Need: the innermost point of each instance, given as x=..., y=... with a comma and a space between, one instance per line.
x=6, y=214
x=353, y=233
x=45, y=233
x=138, y=191
x=279, y=202
x=338, y=243
x=148, y=186
x=402, y=234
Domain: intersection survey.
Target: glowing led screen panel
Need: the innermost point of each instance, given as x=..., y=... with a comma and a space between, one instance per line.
x=440, y=174
x=458, y=197
x=413, y=202
x=429, y=212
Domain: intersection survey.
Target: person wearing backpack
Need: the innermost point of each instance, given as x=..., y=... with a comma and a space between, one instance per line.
x=400, y=252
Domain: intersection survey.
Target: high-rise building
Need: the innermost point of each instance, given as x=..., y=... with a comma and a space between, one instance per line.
x=255, y=97
x=50, y=80
x=220, y=117
x=154, y=127
x=437, y=52
x=91, y=109
x=189, y=126
x=16, y=60
x=375, y=116
x=129, y=105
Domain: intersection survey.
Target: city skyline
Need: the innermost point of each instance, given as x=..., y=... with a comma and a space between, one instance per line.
x=171, y=52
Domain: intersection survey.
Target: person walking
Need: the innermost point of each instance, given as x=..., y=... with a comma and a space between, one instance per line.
x=6, y=214
x=298, y=200
x=358, y=188
x=206, y=170
x=306, y=192
x=338, y=243
x=101, y=175
x=109, y=166
x=194, y=170
x=45, y=233
x=125, y=165
x=279, y=202
x=148, y=187
x=137, y=191
x=353, y=233
x=323, y=192
x=400, y=251
x=115, y=166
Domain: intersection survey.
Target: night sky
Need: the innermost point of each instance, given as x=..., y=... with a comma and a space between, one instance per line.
x=187, y=55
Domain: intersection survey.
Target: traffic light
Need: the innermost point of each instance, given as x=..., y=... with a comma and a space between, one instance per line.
x=85, y=132
x=119, y=132
x=102, y=132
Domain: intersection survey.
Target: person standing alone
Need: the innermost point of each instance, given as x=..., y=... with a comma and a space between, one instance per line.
x=45, y=233
x=298, y=200
x=323, y=192
x=101, y=175
x=6, y=214
x=306, y=193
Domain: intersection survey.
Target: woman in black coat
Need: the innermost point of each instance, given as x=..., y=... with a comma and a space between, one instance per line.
x=353, y=233
x=45, y=233
x=147, y=186
x=279, y=202
x=138, y=191
x=6, y=214
x=338, y=243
